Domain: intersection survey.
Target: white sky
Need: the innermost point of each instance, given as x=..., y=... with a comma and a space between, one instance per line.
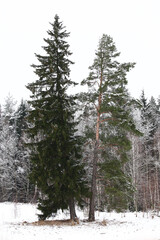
x=133, y=24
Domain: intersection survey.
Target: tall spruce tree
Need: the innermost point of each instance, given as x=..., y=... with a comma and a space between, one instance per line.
x=107, y=100
x=55, y=146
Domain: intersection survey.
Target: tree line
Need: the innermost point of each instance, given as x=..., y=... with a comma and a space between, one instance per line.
x=97, y=149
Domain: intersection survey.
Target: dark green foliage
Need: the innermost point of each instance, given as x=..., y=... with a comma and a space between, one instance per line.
x=118, y=185
x=56, y=149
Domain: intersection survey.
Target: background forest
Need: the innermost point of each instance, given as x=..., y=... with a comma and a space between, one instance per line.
x=143, y=166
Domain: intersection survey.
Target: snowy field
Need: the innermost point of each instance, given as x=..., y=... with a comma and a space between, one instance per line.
x=109, y=226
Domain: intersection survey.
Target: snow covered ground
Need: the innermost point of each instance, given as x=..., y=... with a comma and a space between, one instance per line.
x=117, y=227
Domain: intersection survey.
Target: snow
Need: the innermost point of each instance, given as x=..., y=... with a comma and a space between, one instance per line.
x=119, y=226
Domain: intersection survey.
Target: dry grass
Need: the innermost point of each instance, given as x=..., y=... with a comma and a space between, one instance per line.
x=67, y=222
x=104, y=222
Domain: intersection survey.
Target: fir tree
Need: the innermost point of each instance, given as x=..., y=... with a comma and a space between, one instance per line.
x=20, y=119
x=153, y=116
x=107, y=100
x=56, y=149
x=25, y=190
x=8, y=150
x=149, y=122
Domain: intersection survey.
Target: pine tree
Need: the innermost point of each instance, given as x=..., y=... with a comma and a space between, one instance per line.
x=108, y=102
x=55, y=146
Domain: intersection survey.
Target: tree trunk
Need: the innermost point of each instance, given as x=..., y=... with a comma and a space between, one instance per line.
x=73, y=215
x=93, y=184
x=35, y=194
x=95, y=157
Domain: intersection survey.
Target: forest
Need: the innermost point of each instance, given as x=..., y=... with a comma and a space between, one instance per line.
x=97, y=149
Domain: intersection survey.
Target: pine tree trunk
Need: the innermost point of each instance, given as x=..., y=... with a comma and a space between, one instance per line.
x=93, y=184
x=95, y=158
x=73, y=215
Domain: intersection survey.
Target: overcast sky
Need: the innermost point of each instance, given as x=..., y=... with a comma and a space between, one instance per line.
x=134, y=26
